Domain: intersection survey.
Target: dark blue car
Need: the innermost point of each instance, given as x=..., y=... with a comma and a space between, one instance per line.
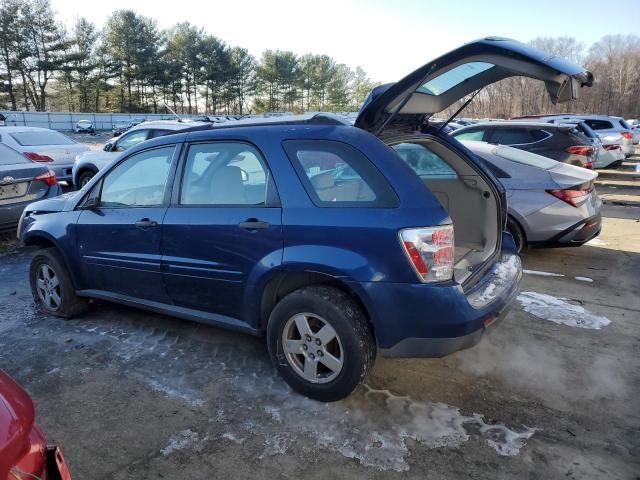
x=335, y=241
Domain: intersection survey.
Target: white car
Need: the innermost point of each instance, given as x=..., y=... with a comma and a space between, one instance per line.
x=89, y=163
x=53, y=149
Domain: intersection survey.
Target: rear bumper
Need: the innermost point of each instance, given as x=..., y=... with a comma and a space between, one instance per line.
x=64, y=172
x=434, y=320
x=575, y=235
x=10, y=214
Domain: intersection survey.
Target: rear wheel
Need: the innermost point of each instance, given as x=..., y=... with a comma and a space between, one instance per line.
x=321, y=342
x=517, y=234
x=51, y=286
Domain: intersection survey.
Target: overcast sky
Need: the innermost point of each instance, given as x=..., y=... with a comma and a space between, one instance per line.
x=387, y=38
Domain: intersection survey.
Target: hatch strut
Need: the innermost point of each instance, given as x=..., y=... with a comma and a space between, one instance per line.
x=404, y=102
x=464, y=105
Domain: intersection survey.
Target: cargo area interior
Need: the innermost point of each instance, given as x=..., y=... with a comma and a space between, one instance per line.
x=464, y=194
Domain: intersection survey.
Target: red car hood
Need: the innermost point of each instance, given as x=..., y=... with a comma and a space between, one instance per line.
x=16, y=422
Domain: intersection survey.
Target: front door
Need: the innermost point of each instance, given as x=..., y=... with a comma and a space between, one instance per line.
x=119, y=239
x=222, y=229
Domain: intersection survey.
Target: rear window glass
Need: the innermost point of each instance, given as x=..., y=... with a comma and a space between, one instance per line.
x=599, y=124
x=539, y=135
x=9, y=156
x=525, y=158
x=453, y=77
x=31, y=139
x=336, y=174
x=424, y=162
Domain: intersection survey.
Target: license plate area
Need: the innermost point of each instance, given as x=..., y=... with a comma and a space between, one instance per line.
x=13, y=190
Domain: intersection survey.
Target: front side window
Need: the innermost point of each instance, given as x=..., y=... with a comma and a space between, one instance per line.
x=131, y=139
x=336, y=174
x=225, y=173
x=44, y=137
x=139, y=181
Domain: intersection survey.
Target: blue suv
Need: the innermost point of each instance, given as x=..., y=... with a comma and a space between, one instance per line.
x=336, y=242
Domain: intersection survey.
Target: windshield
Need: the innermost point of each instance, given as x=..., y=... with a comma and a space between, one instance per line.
x=36, y=138
x=453, y=77
x=525, y=158
x=8, y=156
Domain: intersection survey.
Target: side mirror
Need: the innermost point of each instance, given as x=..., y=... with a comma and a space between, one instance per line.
x=108, y=147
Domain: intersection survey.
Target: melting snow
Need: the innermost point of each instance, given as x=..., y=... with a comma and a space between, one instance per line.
x=596, y=241
x=585, y=279
x=542, y=274
x=173, y=393
x=559, y=310
x=182, y=440
x=503, y=274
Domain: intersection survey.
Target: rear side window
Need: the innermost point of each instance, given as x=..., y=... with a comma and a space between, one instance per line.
x=335, y=174
x=470, y=135
x=624, y=124
x=36, y=138
x=539, y=135
x=510, y=136
x=599, y=124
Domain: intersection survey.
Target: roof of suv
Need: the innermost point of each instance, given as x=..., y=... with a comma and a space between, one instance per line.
x=166, y=125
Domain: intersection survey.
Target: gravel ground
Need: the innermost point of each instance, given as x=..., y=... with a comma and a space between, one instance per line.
x=550, y=393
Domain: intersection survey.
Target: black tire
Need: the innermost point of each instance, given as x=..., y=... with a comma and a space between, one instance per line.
x=517, y=234
x=342, y=313
x=69, y=304
x=84, y=177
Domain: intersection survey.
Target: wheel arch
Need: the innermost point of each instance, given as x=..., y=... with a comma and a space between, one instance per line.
x=87, y=167
x=285, y=282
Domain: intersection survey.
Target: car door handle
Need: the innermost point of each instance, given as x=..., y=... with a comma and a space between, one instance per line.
x=253, y=224
x=145, y=223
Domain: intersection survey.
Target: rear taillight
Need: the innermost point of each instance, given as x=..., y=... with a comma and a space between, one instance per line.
x=574, y=196
x=611, y=146
x=430, y=251
x=36, y=157
x=49, y=178
x=584, y=150
x=587, y=165
x=626, y=135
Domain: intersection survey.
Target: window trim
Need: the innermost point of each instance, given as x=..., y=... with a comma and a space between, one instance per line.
x=392, y=202
x=168, y=186
x=272, y=196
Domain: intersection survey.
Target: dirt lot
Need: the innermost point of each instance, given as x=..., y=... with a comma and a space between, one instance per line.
x=133, y=395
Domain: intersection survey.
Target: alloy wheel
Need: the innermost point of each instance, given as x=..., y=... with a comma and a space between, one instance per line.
x=48, y=287
x=312, y=348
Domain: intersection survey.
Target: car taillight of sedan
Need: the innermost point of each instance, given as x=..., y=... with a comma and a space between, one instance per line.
x=574, y=196
x=36, y=157
x=627, y=135
x=430, y=251
x=611, y=147
x=49, y=178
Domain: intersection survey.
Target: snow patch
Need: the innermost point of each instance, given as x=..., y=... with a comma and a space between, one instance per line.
x=182, y=440
x=585, y=279
x=233, y=438
x=502, y=277
x=560, y=311
x=542, y=274
x=597, y=242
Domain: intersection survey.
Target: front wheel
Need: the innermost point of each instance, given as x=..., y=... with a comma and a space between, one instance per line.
x=84, y=178
x=321, y=342
x=51, y=286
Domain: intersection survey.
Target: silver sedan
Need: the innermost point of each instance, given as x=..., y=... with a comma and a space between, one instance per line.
x=550, y=203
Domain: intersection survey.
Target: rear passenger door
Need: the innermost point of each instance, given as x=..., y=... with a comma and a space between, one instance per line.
x=222, y=229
